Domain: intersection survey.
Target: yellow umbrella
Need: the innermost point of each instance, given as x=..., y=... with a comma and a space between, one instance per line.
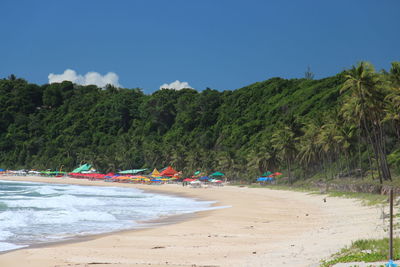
x=155, y=173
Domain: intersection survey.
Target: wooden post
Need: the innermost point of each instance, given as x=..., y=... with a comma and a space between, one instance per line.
x=391, y=226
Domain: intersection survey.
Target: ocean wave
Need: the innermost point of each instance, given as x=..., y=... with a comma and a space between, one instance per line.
x=36, y=212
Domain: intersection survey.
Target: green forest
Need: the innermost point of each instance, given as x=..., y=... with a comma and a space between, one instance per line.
x=347, y=125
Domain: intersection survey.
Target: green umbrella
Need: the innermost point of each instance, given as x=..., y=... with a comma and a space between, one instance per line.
x=82, y=168
x=217, y=174
x=132, y=171
x=265, y=174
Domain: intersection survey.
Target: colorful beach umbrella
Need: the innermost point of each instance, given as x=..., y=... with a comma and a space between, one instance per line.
x=155, y=173
x=135, y=171
x=265, y=174
x=217, y=174
x=169, y=171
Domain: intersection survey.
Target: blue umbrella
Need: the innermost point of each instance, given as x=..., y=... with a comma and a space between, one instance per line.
x=262, y=179
x=204, y=178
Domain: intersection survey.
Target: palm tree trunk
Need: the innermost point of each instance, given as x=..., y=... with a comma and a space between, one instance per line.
x=359, y=154
x=382, y=146
x=289, y=170
x=374, y=144
x=370, y=164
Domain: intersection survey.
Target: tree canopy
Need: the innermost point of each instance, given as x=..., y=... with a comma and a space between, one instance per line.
x=346, y=123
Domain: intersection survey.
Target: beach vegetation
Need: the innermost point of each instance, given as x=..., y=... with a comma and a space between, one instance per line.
x=365, y=250
x=335, y=128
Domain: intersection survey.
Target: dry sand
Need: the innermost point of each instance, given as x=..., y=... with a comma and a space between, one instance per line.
x=261, y=227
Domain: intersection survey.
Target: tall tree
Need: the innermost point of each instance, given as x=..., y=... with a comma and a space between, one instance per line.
x=366, y=88
x=393, y=98
x=284, y=141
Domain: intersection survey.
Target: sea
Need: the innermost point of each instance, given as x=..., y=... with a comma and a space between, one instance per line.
x=36, y=213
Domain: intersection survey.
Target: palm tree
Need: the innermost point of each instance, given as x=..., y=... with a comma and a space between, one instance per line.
x=392, y=108
x=366, y=89
x=263, y=158
x=284, y=141
x=308, y=148
x=192, y=160
x=328, y=145
x=395, y=74
x=344, y=137
x=178, y=159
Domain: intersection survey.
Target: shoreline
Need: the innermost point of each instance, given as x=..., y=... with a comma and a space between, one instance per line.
x=263, y=227
x=145, y=224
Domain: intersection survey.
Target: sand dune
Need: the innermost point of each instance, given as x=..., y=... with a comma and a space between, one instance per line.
x=258, y=227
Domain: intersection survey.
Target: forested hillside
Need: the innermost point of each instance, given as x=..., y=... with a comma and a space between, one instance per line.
x=342, y=125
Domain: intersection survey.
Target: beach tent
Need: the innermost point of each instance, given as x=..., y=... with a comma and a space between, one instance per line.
x=155, y=173
x=169, y=171
x=135, y=171
x=82, y=168
x=217, y=174
x=265, y=179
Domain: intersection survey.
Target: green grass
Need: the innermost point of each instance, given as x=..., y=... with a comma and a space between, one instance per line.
x=286, y=187
x=366, y=198
x=365, y=250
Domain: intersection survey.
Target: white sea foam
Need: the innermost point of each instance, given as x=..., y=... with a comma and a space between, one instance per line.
x=34, y=212
x=4, y=246
x=46, y=191
x=64, y=201
x=5, y=234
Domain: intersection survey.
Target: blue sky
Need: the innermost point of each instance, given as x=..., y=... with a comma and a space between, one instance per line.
x=209, y=43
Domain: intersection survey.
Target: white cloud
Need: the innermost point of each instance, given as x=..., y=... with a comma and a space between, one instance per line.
x=89, y=78
x=177, y=85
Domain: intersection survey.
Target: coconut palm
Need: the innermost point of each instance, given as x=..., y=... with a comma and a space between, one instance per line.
x=308, y=148
x=366, y=88
x=395, y=74
x=262, y=158
x=392, y=108
x=284, y=141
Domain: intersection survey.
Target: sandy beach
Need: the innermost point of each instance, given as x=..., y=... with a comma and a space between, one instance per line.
x=257, y=227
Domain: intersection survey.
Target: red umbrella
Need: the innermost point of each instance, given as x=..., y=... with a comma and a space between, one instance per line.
x=189, y=180
x=277, y=173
